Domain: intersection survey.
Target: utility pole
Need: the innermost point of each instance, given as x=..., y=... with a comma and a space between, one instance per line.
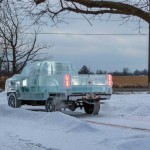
x=149, y=53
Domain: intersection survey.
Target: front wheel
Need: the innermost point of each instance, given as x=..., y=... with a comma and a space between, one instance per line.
x=13, y=102
x=92, y=108
x=50, y=105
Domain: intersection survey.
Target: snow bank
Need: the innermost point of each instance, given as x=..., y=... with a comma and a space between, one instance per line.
x=23, y=129
x=55, y=119
x=42, y=130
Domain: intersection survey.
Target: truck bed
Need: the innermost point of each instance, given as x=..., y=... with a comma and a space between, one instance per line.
x=91, y=84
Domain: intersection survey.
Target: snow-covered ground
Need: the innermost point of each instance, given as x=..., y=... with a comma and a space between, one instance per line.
x=123, y=124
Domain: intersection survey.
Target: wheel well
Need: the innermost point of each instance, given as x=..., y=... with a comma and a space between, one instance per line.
x=10, y=93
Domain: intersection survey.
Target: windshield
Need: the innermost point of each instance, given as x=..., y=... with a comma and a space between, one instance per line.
x=31, y=69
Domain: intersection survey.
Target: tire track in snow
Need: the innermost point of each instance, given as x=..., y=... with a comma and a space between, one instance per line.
x=119, y=126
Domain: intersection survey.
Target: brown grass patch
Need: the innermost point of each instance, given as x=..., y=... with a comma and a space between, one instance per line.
x=130, y=81
x=2, y=82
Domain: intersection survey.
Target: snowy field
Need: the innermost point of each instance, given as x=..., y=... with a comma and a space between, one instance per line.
x=122, y=124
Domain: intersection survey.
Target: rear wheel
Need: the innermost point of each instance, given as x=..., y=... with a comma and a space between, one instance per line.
x=50, y=105
x=13, y=102
x=92, y=108
x=72, y=106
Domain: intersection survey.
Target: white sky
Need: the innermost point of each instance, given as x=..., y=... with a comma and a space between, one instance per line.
x=105, y=52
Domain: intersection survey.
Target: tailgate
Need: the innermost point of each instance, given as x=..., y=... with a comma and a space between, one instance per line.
x=91, y=84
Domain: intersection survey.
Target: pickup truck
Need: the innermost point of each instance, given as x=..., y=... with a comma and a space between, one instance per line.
x=53, y=84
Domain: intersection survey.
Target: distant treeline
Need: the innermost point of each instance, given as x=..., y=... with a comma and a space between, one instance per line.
x=85, y=70
x=124, y=72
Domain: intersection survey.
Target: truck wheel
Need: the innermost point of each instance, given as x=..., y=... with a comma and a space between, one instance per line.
x=92, y=108
x=13, y=102
x=50, y=105
x=96, y=108
x=72, y=106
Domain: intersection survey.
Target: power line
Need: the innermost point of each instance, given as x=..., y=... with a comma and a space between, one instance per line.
x=89, y=34
x=93, y=19
x=99, y=19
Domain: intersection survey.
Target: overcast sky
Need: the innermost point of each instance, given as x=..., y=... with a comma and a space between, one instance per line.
x=105, y=52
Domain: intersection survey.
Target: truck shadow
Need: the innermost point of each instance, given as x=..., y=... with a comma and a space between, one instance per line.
x=77, y=114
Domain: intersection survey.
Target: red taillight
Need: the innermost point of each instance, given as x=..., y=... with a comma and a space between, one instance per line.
x=110, y=82
x=67, y=80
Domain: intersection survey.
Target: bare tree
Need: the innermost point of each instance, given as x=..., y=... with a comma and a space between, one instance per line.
x=138, y=8
x=4, y=62
x=16, y=48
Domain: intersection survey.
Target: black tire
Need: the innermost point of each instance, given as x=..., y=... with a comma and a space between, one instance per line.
x=12, y=101
x=72, y=106
x=96, y=108
x=92, y=108
x=50, y=105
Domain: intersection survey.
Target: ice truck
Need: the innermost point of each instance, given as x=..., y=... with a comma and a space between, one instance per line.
x=55, y=85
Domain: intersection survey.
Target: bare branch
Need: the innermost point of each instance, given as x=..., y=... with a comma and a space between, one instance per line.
x=127, y=7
